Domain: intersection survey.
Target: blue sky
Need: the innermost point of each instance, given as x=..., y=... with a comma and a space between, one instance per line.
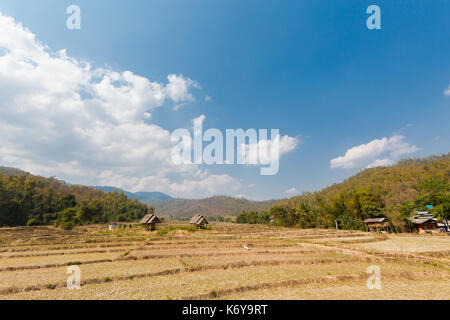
x=310, y=68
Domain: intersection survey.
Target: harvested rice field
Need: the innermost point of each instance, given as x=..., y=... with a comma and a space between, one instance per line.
x=230, y=261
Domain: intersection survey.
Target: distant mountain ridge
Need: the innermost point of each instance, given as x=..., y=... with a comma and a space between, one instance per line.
x=214, y=206
x=146, y=197
x=167, y=206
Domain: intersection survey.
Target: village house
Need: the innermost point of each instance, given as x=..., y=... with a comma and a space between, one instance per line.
x=149, y=222
x=377, y=225
x=199, y=221
x=424, y=222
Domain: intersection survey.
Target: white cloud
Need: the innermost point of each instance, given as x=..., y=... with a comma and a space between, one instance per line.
x=381, y=163
x=293, y=191
x=178, y=88
x=447, y=91
x=61, y=116
x=378, y=152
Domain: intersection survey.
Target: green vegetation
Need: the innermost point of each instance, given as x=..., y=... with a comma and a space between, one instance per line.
x=32, y=200
x=393, y=192
x=253, y=217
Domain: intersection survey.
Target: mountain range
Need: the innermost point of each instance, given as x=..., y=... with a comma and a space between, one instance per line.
x=146, y=197
x=405, y=181
x=165, y=205
x=214, y=206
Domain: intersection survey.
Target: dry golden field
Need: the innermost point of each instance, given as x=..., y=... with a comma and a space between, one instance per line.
x=228, y=262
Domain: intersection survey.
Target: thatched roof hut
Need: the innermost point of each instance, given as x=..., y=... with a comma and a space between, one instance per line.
x=149, y=221
x=199, y=221
x=377, y=224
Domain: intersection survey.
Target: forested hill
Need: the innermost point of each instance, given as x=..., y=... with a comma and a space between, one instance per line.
x=405, y=181
x=211, y=207
x=33, y=200
x=12, y=171
x=393, y=192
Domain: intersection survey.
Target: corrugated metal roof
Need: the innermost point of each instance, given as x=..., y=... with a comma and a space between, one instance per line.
x=418, y=220
x=375, y=220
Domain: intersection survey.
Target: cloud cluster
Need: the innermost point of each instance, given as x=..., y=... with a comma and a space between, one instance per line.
x=378, y=152
x=61, y=116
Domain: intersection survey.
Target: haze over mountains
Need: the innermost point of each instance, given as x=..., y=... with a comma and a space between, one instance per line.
x=214, y=206
x=146, y=197
x=165, y=205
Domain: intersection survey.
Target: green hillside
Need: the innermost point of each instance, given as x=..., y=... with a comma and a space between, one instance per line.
x=393, y=192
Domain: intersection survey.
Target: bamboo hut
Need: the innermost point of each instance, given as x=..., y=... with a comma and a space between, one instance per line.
x=149, y=221
x=377, y=224
x=199, y=221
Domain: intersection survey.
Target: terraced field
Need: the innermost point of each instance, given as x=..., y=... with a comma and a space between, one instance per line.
x=228, y=262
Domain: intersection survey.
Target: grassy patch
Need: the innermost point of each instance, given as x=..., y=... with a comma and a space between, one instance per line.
x=165, y=230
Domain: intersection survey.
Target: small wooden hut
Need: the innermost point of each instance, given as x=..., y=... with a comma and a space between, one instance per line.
x=199, y=221
x=377, y=224
x=149, y=221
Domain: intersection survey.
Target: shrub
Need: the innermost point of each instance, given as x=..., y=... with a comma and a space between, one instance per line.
x=33, y=222
x=68, y=219
x=50, y=286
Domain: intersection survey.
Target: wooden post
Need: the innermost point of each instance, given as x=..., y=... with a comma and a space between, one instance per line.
x=337, y=227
